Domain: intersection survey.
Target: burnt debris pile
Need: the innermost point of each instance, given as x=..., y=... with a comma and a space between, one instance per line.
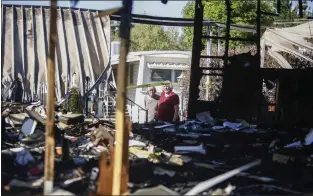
x=196, y=156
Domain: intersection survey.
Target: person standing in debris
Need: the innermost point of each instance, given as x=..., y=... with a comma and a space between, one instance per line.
x=168, y=105
x=151, y=103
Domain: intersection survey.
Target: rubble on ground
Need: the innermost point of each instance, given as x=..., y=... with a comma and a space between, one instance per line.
x=165, y=158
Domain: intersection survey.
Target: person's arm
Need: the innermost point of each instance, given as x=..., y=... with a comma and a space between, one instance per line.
x=144, y=102
x=176, y=109
x=156, y=108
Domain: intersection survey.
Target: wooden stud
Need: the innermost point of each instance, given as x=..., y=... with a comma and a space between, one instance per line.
x=105, y=182
x=121, y=136
x=50, y=140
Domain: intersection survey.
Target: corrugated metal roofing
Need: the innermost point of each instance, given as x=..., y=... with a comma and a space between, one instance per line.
x=83, y=46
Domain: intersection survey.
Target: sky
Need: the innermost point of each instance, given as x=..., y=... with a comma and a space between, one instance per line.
x=153, y=7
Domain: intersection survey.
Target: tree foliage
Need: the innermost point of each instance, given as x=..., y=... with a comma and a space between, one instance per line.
x=243, y=12
x=288, y=12
x=73, y=103
x=153, y=37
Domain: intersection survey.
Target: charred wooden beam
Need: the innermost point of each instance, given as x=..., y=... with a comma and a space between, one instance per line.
x=300, y=8
x=195, y=71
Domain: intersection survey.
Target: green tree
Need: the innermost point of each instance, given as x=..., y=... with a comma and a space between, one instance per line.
x=243, y=12
x=290, y=12
x=153, y=37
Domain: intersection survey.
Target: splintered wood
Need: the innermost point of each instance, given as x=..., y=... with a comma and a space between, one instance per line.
x=105, y=183
x=106, y=165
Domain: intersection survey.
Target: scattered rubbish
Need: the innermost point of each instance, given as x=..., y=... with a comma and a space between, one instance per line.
x=28, y=126
x=234, y=126
x=227, y=191
x=159, y=190
x=59, y=191
x=211, y=182
x=240, y=126
x=161, y=171
x=168, y=129
x=23, y=156
x=269, y=188
x=180, y=156
x=136, y=143
x=307, y=141
x=71, y=119
x=164, y=126
x=294, y=145
x=189, y=149
x=79, y=160
x=38, y=169
x=309, y=138
x=204, y=117
x=280, y=158
x=34, y=184
x=188, y=135
x=217, y=163
x=260, y=178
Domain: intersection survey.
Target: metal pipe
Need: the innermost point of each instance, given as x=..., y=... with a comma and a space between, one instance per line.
x=23, y=49
x=35, y=86
x=2, y=36
x=44, y=43
x=220, y=178
x=12, y=38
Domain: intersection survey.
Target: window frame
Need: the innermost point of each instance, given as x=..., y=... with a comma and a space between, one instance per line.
x=162, y=79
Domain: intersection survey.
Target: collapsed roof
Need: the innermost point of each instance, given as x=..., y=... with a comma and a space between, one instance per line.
x=82, y=49
x=292, y=40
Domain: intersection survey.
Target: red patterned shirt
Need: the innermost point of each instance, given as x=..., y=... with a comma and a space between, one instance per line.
x=166, y=106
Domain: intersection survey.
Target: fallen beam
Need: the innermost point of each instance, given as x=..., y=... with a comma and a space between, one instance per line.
x=220, y=178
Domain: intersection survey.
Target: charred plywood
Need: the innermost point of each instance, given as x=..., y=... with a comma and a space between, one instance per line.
x=83, y=46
